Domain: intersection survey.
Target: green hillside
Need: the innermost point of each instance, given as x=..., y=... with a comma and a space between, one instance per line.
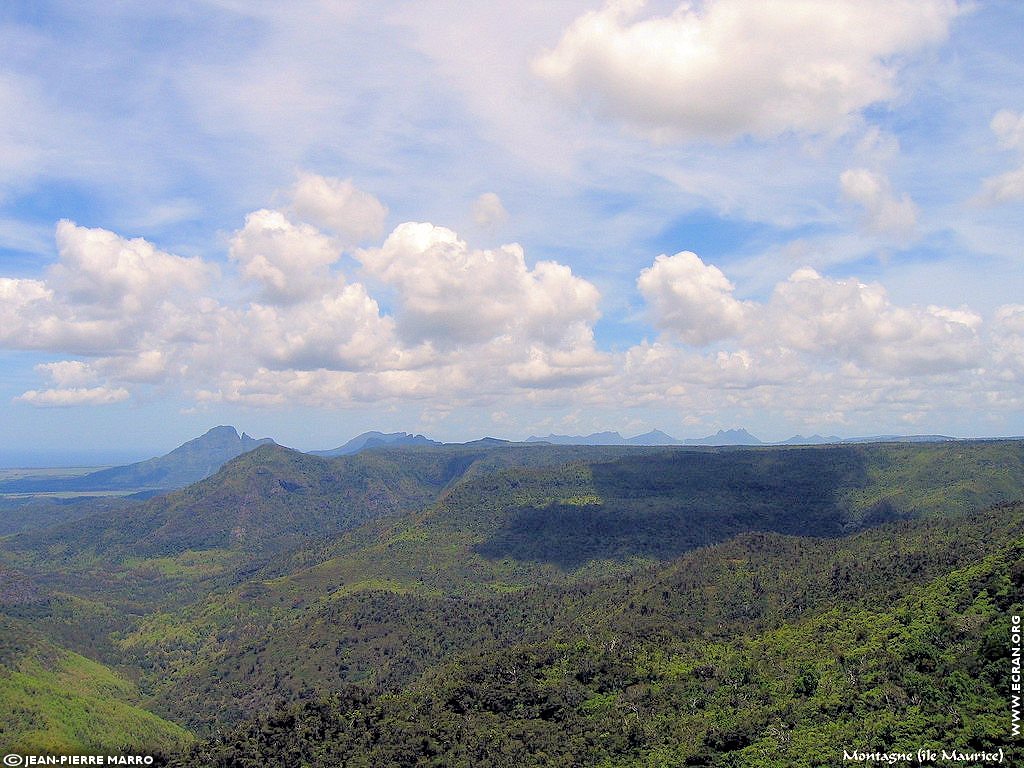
x=857, y=671
x=59, y=702
x=629, y=582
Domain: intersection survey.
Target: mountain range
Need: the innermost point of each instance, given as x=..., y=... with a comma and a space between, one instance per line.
x=530, y=605
x=398, y=583
x=376, y=440
x=188, y=463
x=723, y=437
x=201, y=457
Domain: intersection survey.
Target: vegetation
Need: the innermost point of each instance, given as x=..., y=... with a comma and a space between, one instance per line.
x=927, y=670
x=59, y=702
x=527, y=605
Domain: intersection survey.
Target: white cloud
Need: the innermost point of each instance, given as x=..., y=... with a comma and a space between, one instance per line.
x=289, y=261
x=21, y=122
x=472, y=328
x=1006, y=187
x=62, y=398
x=733, y=387
x=452, y=294
x=105, y=293
x=117, y=276
x=337, y=205
x=20, y=301
x=342, y=330
x=691, y=299
x=847, y=320
x=877, y=146
x=1009, y=342
x=837, y=321
x=727, y=68
x=68, y=373
x=884, y=214
x=469, y=325
x=475, y=324
x=1009, y=129
x=488, y=210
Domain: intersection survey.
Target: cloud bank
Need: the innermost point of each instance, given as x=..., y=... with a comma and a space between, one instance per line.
x=426, y=317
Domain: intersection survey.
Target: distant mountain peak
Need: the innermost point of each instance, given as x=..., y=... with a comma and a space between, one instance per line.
x=654, y=437
x=190, y=462
x=220, y=439
x=595, y=438
x=735, y=436
x=374, y=439
x=486, y=441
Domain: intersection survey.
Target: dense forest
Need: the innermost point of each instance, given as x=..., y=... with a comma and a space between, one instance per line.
x=524, y=605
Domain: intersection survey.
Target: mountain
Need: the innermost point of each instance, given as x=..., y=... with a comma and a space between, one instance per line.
x=64, y=703
x=595, y=438
x=832, y=439
x=539, y=605
x=812, y=440
x=726, y=437
x=901, y=439
x=261, y=502
x=376, y=440
x=762, y=651
x=484, y=442
x=654, y=437
x=188, y=463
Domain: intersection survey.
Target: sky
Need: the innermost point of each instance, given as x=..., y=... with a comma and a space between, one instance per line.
x=313, y=219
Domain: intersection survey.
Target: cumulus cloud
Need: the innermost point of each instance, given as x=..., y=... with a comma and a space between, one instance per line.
x=488, y=210
x=466, y=322
x=884, y=213
x=337, y=205
x=68, y=373
x=114, y=275
x=1006, y=187
x=289, y=261
x=23, y=305
x=453, y=294
x=1008, y=127
x=342, y=330
x=1009, y=342
x=850, y=320
x=726, y=68
x=691, y=299
x=877, y=146
x=468, y=327
x=835, y=320
x=62, y=398
x=104, y=293
x=784, y=382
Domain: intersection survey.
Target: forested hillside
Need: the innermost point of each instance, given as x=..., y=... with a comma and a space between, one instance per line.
x=530, y=605
x=774, y=676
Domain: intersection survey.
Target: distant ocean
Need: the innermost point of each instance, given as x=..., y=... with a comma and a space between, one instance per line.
x=14, y=459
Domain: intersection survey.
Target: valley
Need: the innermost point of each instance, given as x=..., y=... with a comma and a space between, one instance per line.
x=525, y=604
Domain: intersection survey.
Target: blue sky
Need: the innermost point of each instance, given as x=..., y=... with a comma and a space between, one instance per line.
x=313, y=219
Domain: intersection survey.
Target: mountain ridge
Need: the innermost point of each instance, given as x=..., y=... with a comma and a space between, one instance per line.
x=190, y=462
x=374, y=439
